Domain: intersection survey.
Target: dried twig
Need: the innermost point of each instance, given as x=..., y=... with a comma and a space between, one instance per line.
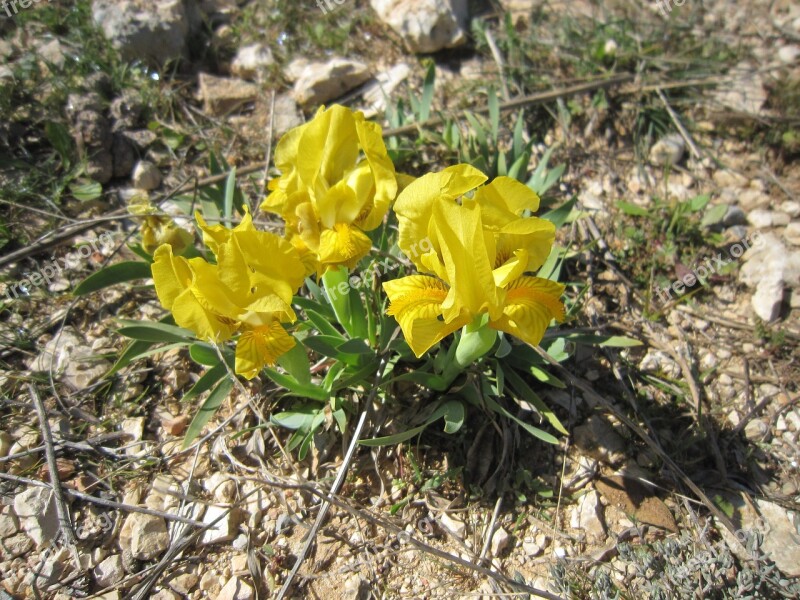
x=64, y=522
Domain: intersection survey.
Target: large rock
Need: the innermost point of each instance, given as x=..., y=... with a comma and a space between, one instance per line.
x=222, y=95
x=319, y=82
x=425, y=25
x=252, y=60
x=778, y=527
x=153, y=31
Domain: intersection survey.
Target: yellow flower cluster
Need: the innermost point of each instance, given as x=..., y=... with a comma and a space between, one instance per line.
x=481, y=244
x=337, y=182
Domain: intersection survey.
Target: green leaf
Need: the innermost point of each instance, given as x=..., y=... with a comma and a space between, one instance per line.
x=87, y=191
x=714, y=215
x=524, y=390
x=207, y=410
x=698, y=203
x=310, y=391
x=208, y=380
x=322, y=324
x=547, y=378
x=132, y=351
x=230, y=189
x=611, y=341
x=632, y=209
x=155, y=332
x=296, y=364
x=356, y=346
x=534, y=431
x=452, y=411
x=204, y=354
x=60, y=139
x=494, y=113
x=337, y=288
x=113, y=274
x=559, y=216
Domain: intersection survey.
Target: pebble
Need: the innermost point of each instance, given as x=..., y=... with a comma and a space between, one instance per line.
x=109, y=571
x=146, y=176
x=500, y=541
x=455, y=526
x=756, y=431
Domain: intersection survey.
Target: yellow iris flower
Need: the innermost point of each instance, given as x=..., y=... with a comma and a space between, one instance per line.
x=475, y=242
x=249, y=291
x=337, y=182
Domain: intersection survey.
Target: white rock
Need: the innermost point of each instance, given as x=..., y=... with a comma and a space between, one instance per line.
x=224, y=530
x=778, y=526
x=145, y=536
x=379, y=91
x=236, y=589
x=146, y=176
x=153, y=32
x=222, y=487
x=531, y=548
x=222, y=95
x=287, y=115
x=425, y=25
x=760, y=218
x=455, y=526
x=71, y=359
x=318, y=82
x=36, y=510
x=134, y=427
x=792, y=233
x=791, y=208
x=500, y=541
x=668, y=150
x=9, y=522
x=109, y=571
x=588, y=515
x=756, y=431
x=788, y=54
x=252, y=60
x=743, y=89
x=767, y=300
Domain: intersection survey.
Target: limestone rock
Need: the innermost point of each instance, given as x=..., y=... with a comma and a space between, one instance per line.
x=222, y=95
x=146, y=176
x=145, y=536
x=668, y=150
x=71, y=359
x=588, y=515
x=252, y=60
x=318, y=82
x=37, y=514
x=425, y=25
x=500, y=541
x=153, y=31
x=109, y=571
x=236, y=589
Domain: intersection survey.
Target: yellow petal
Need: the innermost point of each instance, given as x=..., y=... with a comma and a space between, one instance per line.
x=171, y=274
x=416, y=303
x=532, y=234
x=511, y=269
x=531, y=303
x=467, y=258
x=384, y=186
x=414, y=206
x=261, y=346
x=343, y=245
x=508, y=194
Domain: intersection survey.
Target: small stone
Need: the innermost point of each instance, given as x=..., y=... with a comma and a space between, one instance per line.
x=37, y=514
x=165, y=595
x=319, y=82
x=109, y=571
x=500, y=541
x=147, y=536
x=730, y=179
x=5, y=444
x=531, y=548
x=588, y=515
x=223, y=95
x=146, y=176
x=788, y=54
x=17, y=545
x=768, y=298
x=668, y=150
x=209, y=583
x=455, y=526
x=224, y=530
x=184, y=583
x=176, y=425
x=760, y=218
x=756, y=431
x=791, y=208
x=222, y=487
x=236, y=589
x=252, y=60
x=9, y=523
x=734, y=216
x=792, y=233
